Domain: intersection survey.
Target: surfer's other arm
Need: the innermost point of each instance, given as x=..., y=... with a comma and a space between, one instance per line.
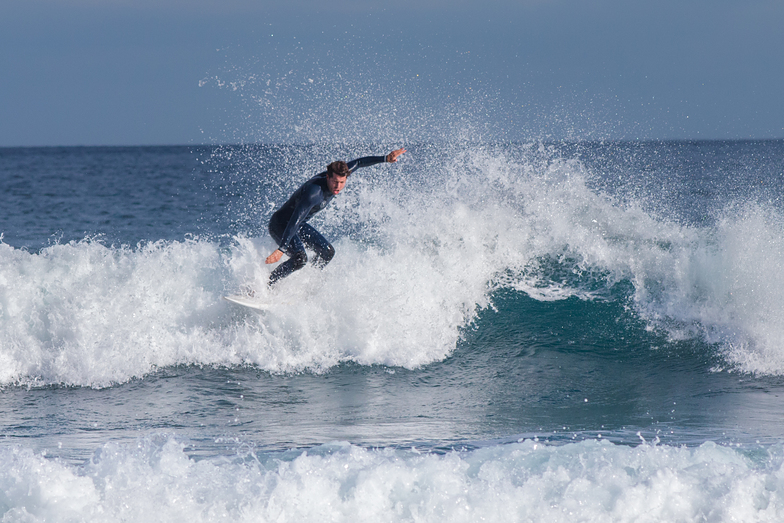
x=274, y=257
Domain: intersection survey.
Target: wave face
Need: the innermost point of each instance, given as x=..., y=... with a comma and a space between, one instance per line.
x=423, y=247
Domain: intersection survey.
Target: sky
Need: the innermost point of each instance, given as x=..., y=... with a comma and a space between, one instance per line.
x=168, y=72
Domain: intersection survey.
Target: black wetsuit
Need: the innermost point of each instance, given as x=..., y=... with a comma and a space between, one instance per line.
x=289, y=227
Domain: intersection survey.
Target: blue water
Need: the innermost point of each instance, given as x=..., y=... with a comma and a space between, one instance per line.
x=509, y=332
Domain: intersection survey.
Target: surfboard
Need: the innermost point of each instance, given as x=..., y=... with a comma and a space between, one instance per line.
x=248, y=301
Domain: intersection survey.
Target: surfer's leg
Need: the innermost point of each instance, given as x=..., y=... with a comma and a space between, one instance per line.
x=313, y=239
x=295, y=250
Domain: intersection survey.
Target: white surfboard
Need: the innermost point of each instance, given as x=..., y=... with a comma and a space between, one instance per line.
x=248, y=301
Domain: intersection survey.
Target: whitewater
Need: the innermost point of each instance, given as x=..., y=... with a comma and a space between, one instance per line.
x=508, y=332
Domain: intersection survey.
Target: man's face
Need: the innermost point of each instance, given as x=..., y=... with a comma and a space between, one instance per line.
x=336, y=183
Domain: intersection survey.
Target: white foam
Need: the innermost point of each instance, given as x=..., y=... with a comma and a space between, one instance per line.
x=88, y=314
x=154, y=480
x=417, y=256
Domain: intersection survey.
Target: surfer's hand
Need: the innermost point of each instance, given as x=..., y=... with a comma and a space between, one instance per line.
x=392, y=157
x=274, y=257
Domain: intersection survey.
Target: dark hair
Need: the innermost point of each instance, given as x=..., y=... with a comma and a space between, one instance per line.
x=338, y=168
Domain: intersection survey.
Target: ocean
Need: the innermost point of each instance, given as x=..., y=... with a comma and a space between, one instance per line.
x=580, y=331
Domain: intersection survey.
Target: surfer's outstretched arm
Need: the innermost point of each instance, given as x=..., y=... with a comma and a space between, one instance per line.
x=367, y=161
x=393, y=156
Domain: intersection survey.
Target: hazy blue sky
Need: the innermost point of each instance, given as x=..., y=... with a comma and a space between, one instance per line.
x=103, y=72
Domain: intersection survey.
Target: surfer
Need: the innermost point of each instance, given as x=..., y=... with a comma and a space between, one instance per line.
x=288, y=225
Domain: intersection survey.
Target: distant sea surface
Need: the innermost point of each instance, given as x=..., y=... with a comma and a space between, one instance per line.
x=508, y=332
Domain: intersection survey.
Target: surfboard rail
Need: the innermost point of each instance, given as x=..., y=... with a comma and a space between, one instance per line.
x=248, y=301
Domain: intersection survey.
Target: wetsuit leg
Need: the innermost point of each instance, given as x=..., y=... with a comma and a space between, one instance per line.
x=297, y=260
x=295, y=250
x=313, y=239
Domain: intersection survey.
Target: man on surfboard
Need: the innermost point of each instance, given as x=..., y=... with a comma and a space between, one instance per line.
x=288, y=225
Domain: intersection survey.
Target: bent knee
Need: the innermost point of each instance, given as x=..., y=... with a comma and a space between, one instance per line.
x=299, y=260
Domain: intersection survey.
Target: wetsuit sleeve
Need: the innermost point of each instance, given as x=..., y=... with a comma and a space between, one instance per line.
x=366, y=161
x=311, y=197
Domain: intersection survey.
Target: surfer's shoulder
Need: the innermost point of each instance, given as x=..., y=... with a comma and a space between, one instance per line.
x=315, y=188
